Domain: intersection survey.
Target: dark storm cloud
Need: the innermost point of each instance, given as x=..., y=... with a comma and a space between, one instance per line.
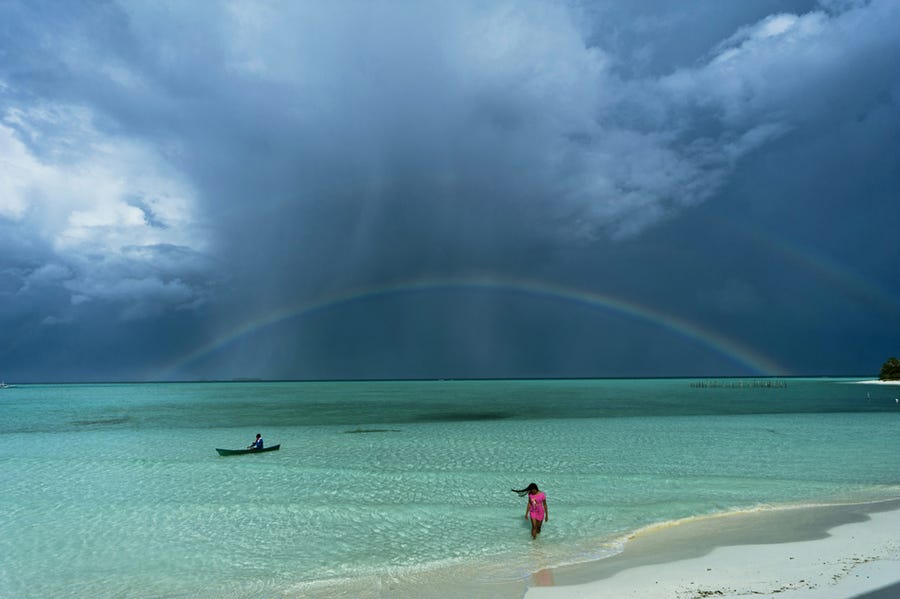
x=210, y=162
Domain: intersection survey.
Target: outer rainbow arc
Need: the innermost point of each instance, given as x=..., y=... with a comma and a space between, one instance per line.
x=730, y=348
x=828, y=269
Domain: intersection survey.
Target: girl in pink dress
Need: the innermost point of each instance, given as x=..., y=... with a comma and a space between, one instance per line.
x=536, y=508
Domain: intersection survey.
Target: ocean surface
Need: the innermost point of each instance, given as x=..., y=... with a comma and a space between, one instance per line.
x=388, y=488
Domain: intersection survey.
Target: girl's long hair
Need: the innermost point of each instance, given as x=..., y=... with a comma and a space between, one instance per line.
x=528, y=489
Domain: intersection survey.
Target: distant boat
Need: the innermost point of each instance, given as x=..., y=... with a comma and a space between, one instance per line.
x=243, y=451
x=4, y=385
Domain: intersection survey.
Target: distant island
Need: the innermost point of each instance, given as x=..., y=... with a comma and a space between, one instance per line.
x=890, y=371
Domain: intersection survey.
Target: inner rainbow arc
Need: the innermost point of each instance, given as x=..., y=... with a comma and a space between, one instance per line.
x=730, y=348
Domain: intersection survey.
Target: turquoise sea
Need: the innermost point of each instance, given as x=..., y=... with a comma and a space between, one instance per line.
x=383, y=489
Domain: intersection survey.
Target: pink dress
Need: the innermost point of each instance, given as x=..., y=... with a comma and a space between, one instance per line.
x=536, y=506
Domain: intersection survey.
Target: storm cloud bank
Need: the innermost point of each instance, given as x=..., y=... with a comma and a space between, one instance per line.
x=172, y=171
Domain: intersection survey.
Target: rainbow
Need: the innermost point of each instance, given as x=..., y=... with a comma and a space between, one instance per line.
x=840, y=277
x=828, y=269
x=746, y=357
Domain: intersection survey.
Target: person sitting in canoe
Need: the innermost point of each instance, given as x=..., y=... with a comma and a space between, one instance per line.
x=258, y=444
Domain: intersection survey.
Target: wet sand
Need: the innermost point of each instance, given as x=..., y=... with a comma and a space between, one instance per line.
x=845, y=551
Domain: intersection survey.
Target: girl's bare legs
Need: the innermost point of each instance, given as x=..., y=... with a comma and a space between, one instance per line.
x=535, y=528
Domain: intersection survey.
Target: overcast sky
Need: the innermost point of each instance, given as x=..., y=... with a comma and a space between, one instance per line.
x=307, y=190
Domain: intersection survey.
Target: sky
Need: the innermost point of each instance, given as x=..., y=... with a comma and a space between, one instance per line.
x=404, y=189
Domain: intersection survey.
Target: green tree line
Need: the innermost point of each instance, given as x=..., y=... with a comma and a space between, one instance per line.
x=890, y=371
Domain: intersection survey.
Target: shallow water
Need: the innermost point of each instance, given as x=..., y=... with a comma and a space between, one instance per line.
x=116, y=490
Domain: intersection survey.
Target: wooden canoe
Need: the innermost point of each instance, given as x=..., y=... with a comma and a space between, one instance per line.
x=243, y=451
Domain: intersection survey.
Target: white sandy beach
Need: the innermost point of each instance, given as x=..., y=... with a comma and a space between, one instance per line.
x=851, y=560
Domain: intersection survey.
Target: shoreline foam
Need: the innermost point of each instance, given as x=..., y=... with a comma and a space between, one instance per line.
x=835, y=551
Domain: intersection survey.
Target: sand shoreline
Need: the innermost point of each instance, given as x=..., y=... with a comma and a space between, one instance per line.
x=834, y=551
